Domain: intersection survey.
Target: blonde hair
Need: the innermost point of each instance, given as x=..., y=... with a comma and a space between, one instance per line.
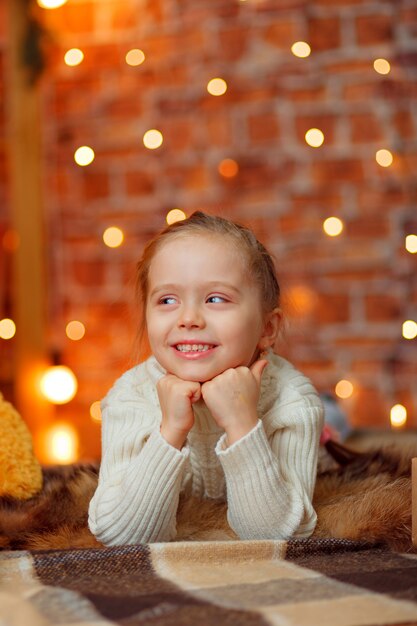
x=259, y=261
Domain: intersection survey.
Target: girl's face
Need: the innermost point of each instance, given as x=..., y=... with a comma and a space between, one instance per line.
x=203, y=311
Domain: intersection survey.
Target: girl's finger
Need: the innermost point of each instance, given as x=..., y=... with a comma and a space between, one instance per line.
x=257, y=368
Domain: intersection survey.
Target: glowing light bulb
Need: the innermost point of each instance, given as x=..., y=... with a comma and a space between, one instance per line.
x=113, y=237
x=75, y=330
x=175, y=215
x=153, y=139
x=61, y=443
x=135, y=57
x=411, y=243
x=398, y=415
x=217, y=86
x=228, y=168
x=333, y=226
x=95, y=411
x=314, y=137
x=382, y=66
x=74, y=57
x=344, y=389
x=409, y=330
x=51, y=4
x=7, y=328
x=59, y=384
x=384, y=158
x=301, y=49
x=84, y=155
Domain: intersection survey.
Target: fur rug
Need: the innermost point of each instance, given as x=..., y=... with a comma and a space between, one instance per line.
x=365, y=496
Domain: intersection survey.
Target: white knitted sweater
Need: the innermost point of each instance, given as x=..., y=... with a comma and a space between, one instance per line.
x=268, y=476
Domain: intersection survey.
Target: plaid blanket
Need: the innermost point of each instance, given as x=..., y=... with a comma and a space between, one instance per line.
x=311, y=582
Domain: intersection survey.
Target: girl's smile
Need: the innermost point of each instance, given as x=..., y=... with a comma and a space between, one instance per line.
x=203, y=312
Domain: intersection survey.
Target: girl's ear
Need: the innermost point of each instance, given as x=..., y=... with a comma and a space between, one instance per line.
x=272, y=324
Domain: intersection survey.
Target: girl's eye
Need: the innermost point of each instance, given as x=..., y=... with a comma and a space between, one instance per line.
x=216, y=299
x=167, y=300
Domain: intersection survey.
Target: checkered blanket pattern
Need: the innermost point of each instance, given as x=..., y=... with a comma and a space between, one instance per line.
x=233, y=583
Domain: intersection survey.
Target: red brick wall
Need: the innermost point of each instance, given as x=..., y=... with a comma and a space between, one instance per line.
x=345, y=298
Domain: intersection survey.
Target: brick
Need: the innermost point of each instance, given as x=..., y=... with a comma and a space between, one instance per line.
x=71, y=18
x=404, y=123
x=368, y=227
x=373, y=29
x=315, y=93
x=88, y=273
x=364, y=128
x=374, y=199
x=332, y=308
x=341, y=170
x=263, y=127
x=233, y=43
x=95, y=184
x=139, y=183
x=281, y=33
x=382, y=308
x=324, y=33
x=369, y=408
x=179, y=133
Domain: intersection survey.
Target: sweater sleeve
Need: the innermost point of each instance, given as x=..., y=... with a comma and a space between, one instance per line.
x=140, y=477
x=270, y=482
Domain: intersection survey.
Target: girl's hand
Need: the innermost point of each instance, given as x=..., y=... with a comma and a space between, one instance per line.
x=176, y=397
x=232, y=399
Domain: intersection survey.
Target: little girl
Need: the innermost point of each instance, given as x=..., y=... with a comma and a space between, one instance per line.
x=213, y=413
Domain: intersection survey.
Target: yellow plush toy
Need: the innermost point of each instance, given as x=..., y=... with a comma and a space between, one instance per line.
x=20, y=472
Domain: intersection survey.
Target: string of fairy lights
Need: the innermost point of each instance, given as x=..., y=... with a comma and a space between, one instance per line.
x=59, y=384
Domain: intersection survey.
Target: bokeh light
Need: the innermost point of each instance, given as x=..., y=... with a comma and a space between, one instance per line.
x=135, y=57
x=51, y=4
x=75, y=330
x=314, y=137
x=74, y=57
x=58, y=384
x=382, y=66
x=175, y=215
x=398, y=415
x=217, y=86
x=113, y=237
x=153, y=139
x=344, y=389
x=409, y=329
x=384, y=158
x=228, y=168
x=95, y=411
x=411, y=243
x=301, y=49
x=333, y=226
x=84, y=155
x=61, y=443
x=7, y=328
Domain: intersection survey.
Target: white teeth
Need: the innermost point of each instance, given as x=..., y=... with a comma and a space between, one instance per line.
x=195, y=347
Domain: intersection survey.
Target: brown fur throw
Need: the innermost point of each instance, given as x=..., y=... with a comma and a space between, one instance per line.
x=365, y=496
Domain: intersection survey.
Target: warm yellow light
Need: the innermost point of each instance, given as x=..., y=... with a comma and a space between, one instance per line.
x=51, y=4
x=95, y=411
x=75, y=330
x=59, y=384
x=153, y=139
x=384, y=158
x=409, y=329
x=113, y=237
x=411, y=243
x=7, y=328
x=344, y=389
x=228, y=168
x=73, y=57
x=382, y=66
x=301, y=49
x=333, y=226
x=135, y=57
x=61, y=443
x=84, y=156
x=217, y=86
x=398, y=415
x=175, y=215
x=314, y=137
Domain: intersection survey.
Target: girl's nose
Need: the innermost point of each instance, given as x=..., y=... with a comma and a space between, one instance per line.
x=191, y=317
